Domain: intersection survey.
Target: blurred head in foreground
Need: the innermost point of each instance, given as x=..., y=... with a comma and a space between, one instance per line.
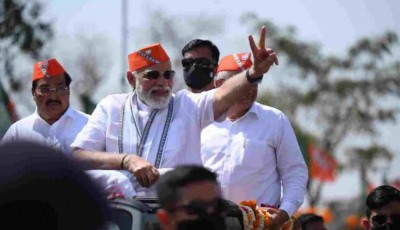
x=190, y=198
x=383, y=208
x=311, y=221
x=41, y=185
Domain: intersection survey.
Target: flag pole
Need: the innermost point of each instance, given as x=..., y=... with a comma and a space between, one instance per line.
x=124, y=39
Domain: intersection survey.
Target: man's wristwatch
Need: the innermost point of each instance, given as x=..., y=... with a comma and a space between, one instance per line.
x=251, y=80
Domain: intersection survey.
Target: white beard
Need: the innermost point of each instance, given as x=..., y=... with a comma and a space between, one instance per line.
x=155, y=102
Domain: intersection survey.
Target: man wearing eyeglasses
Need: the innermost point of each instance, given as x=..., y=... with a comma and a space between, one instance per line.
x=200, y=62
x=152, y=130
x=54, y=123
x=383, y=209
x=190, y=198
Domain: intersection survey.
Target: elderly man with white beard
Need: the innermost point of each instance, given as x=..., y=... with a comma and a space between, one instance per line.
x=150, y=131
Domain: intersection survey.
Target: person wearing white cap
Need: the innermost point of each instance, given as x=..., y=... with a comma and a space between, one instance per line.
x=255, y=151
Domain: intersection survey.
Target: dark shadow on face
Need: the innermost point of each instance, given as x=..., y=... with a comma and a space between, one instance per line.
x=42, y=189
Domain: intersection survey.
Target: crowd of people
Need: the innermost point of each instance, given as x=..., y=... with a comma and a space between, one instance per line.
x=194, y=149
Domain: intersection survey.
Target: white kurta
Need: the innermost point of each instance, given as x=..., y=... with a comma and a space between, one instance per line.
x=254, y=156
x=59, y=135
x=192, y=112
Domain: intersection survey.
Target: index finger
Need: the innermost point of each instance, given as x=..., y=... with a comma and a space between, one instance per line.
x=261, y=42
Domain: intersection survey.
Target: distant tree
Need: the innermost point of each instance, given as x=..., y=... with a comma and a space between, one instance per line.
x=367, y=160
x=22, y=32
x=23, y=35
x=89, y=65
x=343, y=96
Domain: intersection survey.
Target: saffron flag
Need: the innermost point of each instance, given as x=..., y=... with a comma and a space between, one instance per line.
x=322, y=165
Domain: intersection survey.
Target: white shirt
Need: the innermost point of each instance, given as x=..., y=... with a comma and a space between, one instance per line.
x=192, y=112
x=59, y=135
x=254, y=156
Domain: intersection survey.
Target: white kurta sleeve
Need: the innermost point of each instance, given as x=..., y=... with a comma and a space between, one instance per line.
x=93, y=135
x=291, y=166
x=200, y=106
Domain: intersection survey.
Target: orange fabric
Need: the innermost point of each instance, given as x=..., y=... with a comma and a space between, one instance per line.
x=147, y=56
x=352, y=221
x=235, y=62
x=327, y=215
x=47, y=68
x=322, y=165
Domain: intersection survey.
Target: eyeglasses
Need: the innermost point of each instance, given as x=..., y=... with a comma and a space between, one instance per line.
x=61, y=90
x=154, y=74
x=200, y=207
x=379, y=220
x=203, y=62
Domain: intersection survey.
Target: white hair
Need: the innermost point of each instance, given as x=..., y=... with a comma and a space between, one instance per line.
x=155, y=102
x=223, y=75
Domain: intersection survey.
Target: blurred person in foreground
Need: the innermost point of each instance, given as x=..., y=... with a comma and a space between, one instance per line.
x=190, y=198
x=42, y=189
x=200, y=62
x=54, y=123
x=311, y=221
x=255, y=151
x=150, y=130
x=383, y=209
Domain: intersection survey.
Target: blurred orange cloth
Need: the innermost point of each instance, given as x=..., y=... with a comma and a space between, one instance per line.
x=352, y=221
x=47, y=68
x=327, y=215
x=322, y=165
x=147, y=56
x=235, y=62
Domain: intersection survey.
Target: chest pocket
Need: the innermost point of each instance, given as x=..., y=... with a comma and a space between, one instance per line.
x=257, y=155
x=112, y=138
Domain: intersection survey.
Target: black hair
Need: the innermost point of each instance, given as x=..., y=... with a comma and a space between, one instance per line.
x=40, y=188
x=170, y=183
x=380, y=197
x=196, y=43
x=308, y=218
x=68, y=81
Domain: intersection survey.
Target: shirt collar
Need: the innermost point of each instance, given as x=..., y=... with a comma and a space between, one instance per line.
x=253, y=110
x=69, y=113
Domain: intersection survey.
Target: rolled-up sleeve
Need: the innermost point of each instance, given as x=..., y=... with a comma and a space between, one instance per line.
x=93, y=135
x=292, y=168
x=200, y=105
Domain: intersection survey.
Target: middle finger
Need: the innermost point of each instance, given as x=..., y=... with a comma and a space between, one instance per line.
x=261, y=42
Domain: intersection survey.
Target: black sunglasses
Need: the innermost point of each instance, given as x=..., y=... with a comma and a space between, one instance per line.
x=379, y=220
x=200, y=207
x=203, y=62
x=154, y=74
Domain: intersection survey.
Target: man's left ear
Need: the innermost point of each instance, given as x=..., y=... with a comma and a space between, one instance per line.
x=366, y=223
x=33, y=95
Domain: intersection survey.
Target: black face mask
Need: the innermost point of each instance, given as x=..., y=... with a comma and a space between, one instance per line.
x=197, y=77
x=209, y=222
